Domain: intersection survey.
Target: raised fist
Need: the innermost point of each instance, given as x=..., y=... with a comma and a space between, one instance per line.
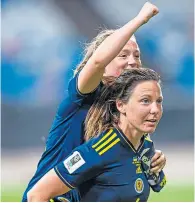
x=148, y=11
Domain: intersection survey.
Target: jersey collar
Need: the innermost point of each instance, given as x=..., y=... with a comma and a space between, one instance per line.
x=127, y=143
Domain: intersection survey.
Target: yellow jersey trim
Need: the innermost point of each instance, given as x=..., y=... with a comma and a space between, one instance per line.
x=103, y=138
x=148, y=139
x=109, y=146
x=106, y=142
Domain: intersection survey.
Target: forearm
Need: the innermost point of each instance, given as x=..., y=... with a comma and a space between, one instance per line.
x=92, y=73
x=114, y=43
x=47, y=187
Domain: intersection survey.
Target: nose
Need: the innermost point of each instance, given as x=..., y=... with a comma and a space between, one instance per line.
x=155, y=108
x=132, y=63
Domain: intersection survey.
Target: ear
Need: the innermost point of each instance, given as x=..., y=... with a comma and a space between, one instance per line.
x=121, y=106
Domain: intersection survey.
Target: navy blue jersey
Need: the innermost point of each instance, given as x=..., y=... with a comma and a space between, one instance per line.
x=111, y=167
x=66, y=132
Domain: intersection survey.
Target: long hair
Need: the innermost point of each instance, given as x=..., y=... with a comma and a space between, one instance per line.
x=91, y=47
x=103, y=114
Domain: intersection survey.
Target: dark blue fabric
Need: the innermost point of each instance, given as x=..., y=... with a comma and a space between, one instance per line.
x=66, y=132
x=112, y=169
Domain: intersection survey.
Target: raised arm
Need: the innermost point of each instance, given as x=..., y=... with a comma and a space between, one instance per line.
x=92, y=73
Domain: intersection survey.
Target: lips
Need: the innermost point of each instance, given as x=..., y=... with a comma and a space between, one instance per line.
x=152, y=120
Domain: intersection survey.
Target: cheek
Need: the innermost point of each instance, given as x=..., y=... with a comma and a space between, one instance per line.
x=161, y=113
x=114, y=69
x=138, y=114
x=120, y=68
x=133, y=114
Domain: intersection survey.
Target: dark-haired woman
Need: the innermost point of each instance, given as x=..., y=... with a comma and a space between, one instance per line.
x=114, y=159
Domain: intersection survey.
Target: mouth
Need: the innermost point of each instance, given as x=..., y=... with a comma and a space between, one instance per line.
x=152, y=121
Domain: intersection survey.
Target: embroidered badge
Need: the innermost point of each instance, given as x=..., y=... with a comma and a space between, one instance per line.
x=139, y=185
x=73, y=162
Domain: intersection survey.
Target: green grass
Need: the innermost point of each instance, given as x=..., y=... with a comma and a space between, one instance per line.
x=182, y=193
x=179, y=193
x=12, y=193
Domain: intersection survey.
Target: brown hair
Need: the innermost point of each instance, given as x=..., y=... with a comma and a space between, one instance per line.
x=103, y=114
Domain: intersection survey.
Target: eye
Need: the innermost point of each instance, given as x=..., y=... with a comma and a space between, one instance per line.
x=145, y=101
x=123, y=56
x=137, y=56
x=160, y=101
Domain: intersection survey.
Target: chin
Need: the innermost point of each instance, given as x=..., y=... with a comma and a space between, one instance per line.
x=149, y=130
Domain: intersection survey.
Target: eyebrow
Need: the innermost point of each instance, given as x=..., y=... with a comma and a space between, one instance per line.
x=150, y=96
x=127, y=50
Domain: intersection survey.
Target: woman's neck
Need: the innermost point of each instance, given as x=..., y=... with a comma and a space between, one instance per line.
x=132, y=134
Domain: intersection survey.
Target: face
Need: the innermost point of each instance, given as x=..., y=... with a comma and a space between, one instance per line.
x=144, y=108
x=129, y=57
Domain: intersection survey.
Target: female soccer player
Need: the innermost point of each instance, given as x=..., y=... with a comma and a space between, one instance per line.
x=111, y=161
x=109, y=54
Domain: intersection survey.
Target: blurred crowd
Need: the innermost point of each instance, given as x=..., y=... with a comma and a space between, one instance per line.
x=42, y=42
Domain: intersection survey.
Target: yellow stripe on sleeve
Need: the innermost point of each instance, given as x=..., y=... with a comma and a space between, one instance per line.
x=103, y=138
x=109, y=146
x=106, y=142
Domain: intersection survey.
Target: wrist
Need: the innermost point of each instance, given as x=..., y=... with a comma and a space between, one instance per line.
x=139, y=20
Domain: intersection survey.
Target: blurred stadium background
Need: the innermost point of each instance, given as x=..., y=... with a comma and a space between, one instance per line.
x=42, y=43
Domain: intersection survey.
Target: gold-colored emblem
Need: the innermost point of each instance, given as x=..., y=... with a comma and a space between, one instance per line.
x=139, y=185
x=138, y=170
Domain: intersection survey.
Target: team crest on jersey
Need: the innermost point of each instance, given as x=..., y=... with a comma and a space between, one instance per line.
x=73, y=162
x=139, y=185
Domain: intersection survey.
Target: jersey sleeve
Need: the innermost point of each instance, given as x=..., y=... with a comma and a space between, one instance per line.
x=75, y=99
x=75, y=95
x=83, y=164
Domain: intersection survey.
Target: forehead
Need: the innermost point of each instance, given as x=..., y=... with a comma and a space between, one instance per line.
x=148, y=88
x=131, y=44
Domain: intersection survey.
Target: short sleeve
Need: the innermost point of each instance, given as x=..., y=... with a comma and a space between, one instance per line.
x=75, y=99
x=75, y=95
x=83, y=164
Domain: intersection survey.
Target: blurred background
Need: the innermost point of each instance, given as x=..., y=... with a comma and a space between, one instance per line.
x=42, y=42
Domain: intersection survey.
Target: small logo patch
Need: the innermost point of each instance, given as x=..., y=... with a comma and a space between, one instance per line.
x=146, y=161
x=139, y=185
x=136, y=161
x=73, y=162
